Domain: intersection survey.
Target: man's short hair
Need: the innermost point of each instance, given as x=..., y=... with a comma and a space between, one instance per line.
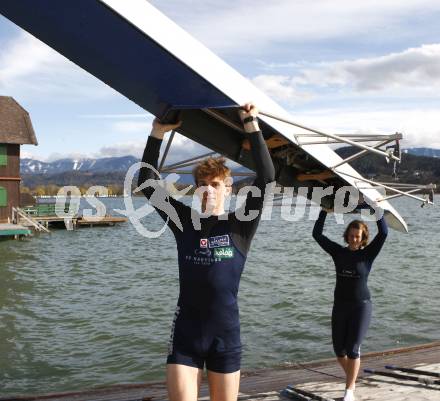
x=211, y=167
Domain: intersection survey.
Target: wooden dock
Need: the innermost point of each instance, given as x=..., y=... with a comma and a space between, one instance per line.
x=323, y=377
x=45, y=216
x=76, y=221
x=9, y=230
x=97, y=221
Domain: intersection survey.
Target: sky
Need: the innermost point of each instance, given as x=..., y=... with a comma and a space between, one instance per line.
x=341, y=66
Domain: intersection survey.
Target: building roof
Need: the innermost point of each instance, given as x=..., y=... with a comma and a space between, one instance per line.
x=15, y=123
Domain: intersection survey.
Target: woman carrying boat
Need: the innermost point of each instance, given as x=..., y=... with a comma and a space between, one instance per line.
x=352, y=301
x=206, y=328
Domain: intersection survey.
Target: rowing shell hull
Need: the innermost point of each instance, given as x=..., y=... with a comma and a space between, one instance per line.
x=145, y=56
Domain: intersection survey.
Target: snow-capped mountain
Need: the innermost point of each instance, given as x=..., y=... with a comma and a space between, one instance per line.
x=103, y=165
x=104, y=171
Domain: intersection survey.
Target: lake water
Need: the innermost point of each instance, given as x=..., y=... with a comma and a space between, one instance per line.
x=94, y=306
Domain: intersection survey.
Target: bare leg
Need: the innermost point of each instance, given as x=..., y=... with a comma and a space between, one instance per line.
x=223, y=386
x=342, y=360
x=352, y=371
x=183, y=382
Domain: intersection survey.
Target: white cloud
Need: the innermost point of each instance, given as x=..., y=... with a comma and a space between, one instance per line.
x=279, y=87
x=253, y=25
x=24, y=154
x=420, y=127
x=14, y=66
x=405, y=76
x=182, y=148
x=70, y=155
x=121, y=149
x=132, y=127
x=397, y=92
x=31, y=70
x=144, y=116
x=412, y=68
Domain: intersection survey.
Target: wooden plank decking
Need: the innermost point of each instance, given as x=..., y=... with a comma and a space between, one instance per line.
x=100, y=221
x=266, y=383
x=77, y=221
x=11, y=230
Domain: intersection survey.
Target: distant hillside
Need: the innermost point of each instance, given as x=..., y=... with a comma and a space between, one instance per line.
x=412, y=169
x=76, y=178
x=428, y=152
x=416, y=167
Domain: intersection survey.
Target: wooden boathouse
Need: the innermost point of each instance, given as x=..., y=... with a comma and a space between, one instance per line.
x=15, y=130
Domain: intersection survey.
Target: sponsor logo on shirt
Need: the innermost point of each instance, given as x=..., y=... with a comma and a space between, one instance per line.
x=224, y=253
x=202, y=252
x=203, y=243
x=219, y=241
x=348, y=273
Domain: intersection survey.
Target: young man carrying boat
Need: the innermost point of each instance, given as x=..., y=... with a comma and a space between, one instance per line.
x=206, y=327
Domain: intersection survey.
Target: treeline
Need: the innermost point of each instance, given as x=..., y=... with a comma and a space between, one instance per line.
x=52, y=190
x=76, y=178
x=412, y=169
x=49, y=184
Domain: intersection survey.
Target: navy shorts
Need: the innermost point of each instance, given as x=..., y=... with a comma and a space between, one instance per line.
x=221, y=362
x=350, y=322
x=196, y=342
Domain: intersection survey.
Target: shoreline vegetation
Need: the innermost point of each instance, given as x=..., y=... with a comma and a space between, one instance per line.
x=52, y=190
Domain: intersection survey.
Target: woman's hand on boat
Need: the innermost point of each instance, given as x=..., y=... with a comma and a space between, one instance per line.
x=248, y=114
x=159, y=129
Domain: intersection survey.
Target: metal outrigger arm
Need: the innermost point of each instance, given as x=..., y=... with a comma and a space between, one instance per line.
x=400, y=189
x=391, y=152
x=350, y=139
x=174, y=168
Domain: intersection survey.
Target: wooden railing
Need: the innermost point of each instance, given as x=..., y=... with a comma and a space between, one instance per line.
x=18, y=213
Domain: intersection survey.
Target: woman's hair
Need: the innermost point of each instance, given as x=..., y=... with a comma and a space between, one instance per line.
x=358, y=225
x=211, y=167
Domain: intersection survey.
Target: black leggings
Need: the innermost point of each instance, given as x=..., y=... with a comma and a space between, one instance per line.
x=350, y=322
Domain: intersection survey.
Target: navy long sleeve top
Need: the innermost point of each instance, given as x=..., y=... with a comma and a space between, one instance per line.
x=211, y=259
x=352, y=267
